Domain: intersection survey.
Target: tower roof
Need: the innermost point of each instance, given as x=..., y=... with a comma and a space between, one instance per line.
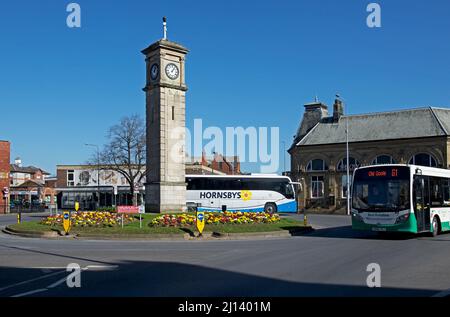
x=165, y=44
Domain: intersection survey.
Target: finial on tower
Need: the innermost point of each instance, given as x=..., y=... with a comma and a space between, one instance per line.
x=165, y=28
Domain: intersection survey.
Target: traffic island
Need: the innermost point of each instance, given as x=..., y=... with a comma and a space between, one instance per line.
x=164, y=227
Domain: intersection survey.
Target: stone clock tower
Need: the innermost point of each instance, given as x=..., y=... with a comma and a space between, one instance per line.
x=165, y=91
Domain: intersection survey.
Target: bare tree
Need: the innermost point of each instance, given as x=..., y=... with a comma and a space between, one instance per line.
x=126, y=151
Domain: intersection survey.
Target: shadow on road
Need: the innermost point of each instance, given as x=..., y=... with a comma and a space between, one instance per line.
x=177, y=279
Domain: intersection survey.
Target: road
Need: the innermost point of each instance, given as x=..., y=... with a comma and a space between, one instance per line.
x=331, y=261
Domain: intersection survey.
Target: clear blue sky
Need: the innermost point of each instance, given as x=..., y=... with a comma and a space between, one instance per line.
x=252, y=63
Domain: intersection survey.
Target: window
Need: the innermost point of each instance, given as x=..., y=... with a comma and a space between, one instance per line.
x=317, y=186
x=70, y=178
x=423, y=159
x=342, y=165
x=446, y=191
x=344, y=186
x=316, y=165
x=383, y=159
x=436, y=195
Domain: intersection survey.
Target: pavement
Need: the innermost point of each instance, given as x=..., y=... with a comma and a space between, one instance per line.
x=331, y=261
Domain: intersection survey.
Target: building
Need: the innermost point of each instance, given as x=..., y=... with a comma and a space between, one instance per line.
x=92, y=187
x=217, y=165
x=28, y=186
x=4, y=175
x=318, y=153
x=89, y=185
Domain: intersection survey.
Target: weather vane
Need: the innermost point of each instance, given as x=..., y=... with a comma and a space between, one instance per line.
x=165, y=28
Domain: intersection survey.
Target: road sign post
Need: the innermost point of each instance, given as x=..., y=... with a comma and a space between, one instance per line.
x=200, y=221
x=127, y=210
x=141, y=211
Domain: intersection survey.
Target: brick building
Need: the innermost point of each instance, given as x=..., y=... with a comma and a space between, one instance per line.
x=27, y=187
x=318, y=153
x=4, y=175
x=215, y=165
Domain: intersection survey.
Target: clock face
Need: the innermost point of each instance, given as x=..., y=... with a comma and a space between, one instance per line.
x=172, y=71
x=154, y=71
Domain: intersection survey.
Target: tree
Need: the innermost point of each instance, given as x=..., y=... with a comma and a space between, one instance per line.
x=125, y=152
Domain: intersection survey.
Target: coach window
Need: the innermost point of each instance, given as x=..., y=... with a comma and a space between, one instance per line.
x=423, y=159
x=316, y=165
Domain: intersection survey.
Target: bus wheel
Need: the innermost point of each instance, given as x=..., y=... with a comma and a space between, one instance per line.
x=270, y=208
x=435, y=227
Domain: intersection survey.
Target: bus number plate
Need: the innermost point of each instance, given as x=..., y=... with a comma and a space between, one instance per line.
x=378, y=229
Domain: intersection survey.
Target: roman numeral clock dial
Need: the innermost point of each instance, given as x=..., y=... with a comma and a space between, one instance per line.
x=172, y=71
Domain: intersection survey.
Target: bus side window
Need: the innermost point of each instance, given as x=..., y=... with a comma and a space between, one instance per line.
x=446, y=191
x=436, y=198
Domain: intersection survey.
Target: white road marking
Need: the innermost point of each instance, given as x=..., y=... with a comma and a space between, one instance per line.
x=442, y=294
x=30, y=292
x=31, y=280
x=58, y=282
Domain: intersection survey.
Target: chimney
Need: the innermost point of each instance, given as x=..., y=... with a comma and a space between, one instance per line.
x=314, y=113
x=18, y=161
x=338, y=110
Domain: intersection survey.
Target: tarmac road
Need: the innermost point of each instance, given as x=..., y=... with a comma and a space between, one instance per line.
x=331, y=261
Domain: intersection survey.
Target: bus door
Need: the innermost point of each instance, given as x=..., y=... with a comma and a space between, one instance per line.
x=422, y=203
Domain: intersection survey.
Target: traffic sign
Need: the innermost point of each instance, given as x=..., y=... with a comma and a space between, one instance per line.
x=200, y=221
x=66, y=221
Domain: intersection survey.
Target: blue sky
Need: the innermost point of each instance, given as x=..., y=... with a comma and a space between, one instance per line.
x=252, y=63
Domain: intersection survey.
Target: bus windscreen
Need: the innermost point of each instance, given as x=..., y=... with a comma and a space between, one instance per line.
x=384, y=188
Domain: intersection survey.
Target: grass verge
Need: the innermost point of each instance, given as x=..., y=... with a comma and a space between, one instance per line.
x=285, y=224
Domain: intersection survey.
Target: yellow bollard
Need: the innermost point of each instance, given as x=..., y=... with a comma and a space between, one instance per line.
x=305, y=220
x=19, y=218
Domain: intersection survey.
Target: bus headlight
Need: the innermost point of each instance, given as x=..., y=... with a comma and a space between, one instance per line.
x=402, y=218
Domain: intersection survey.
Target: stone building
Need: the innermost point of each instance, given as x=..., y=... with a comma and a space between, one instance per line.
x=318, y=153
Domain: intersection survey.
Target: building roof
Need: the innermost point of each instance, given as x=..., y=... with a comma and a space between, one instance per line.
x=26, y=169
x=401, y=124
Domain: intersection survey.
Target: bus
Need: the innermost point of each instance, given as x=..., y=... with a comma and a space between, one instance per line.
x=401, y=198
x=255, y=193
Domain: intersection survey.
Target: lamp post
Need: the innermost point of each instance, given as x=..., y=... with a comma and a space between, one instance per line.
x=284, y=157
x=98, y=173
x=348, y=159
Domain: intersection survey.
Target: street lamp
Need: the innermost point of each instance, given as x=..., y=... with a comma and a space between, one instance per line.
x=98, y=173
x=284, y=157
x=348, y=159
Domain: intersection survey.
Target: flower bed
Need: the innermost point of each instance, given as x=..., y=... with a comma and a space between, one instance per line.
x=215, y=218
x=90, y=219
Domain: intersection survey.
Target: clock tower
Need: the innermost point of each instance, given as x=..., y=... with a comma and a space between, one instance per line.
x=165, y=91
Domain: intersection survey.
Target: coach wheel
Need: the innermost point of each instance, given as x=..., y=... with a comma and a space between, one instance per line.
x=435, y=227
x=270, y=208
